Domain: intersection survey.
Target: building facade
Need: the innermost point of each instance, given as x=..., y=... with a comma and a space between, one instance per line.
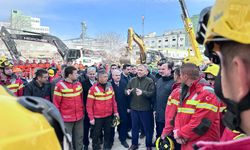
x=23, y=22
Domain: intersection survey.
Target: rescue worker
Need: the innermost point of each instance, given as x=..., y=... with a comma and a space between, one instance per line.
x=163, y=90
x=122, y=104
x=39, y=86
x=101, y=106
x=198, y=116
x=211, y=72
x=8, y=79
x=27, y=69
x=229, y=43
x=41, y=65
x=47, y=64
x=19, y=74
x=69, y=101
x=51, y=73
x=171, y=109
x=86, y=84
x=81, y=66
x=141, y=89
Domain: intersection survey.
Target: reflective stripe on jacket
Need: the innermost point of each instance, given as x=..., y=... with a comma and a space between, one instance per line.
x=69, y=100
x=198, y=116
x=101, y=102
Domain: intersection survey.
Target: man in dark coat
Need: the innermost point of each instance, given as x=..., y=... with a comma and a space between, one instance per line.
x=122, y=104
x=163, y=90
x=39, y=86
x=86, y=84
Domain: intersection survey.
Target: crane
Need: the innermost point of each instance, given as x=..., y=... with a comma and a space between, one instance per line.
x=197, y=58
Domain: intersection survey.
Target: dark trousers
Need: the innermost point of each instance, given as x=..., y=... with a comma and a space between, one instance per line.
x=102, y=123
x=75, y=129
x=122, y=128
x=159, y=128
x=145, y=117
x=86, y=131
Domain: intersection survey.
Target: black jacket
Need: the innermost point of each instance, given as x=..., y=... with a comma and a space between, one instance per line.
x=33, y=89
x=86, y=85
x=142, y=102
x=125, y=79
x=120, y=97
x=163, y=90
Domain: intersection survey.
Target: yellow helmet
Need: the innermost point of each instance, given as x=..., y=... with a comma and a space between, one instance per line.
x=51, y=72
x=166, y=144
x=212, y=69
x=229, y=20
x=30, y=123
x=4, y=62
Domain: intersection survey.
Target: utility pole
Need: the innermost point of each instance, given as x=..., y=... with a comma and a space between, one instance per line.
x=143, y=26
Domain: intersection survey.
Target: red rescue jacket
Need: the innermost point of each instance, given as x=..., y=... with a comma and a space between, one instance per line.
x=15, y=85
x=198, y=116
x=101, y=102
x=171, y=110
x=69, y=100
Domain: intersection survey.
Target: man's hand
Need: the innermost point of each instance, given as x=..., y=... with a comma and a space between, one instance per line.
x=138, y=92
x=117, y=115
x=92, y=122
x=129, y=91
x=175, y=134
x=181, y=141
x=128, y=110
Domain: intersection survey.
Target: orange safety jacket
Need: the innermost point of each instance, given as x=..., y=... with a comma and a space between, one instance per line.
x=15, y=85
x=69, y=100
x=198, y=115
x=101, y=102
x=171, y=110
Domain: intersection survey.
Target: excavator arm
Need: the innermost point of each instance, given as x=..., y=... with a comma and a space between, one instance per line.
x=8, y=40
x=189, y=28
x=132, y=36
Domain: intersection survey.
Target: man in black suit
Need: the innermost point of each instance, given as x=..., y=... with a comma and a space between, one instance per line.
x=86, y=84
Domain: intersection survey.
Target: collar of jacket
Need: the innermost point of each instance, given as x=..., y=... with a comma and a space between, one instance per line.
x=167, y=78
x=141, y=78
x=176, y=85
x=37, y=84
x=199, y=82
x=108, y=84
x=70, y=82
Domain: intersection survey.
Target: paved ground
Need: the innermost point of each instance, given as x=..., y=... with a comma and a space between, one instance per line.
x=117, y=145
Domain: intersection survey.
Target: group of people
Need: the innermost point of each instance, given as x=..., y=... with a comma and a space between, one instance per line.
x=184, y=104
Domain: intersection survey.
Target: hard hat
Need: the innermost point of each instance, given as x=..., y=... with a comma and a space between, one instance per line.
x=16, y=70
x=164, y=144
x=4, y=62
x=51, y=72
x=229, y=20
x=115, y=121
x=31, y=123
x=212, y=69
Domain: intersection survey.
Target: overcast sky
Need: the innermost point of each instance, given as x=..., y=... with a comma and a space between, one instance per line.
x=64, y=16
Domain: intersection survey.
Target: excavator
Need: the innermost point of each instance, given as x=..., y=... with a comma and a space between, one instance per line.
x=197, y=57
x=8, y=39
x=150, y=57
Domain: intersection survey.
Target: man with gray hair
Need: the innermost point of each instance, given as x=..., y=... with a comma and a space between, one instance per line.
x=141, y=89
x=86, y=84
x=122, y=105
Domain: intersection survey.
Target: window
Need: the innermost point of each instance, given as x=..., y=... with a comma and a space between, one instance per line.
x=166, y=46
x=173, y=39
x=159, y=46
x=173, y=45
x=166, y=40
x=153, y=42
x=181, y=39
x=159, y=41
x=181, y=45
